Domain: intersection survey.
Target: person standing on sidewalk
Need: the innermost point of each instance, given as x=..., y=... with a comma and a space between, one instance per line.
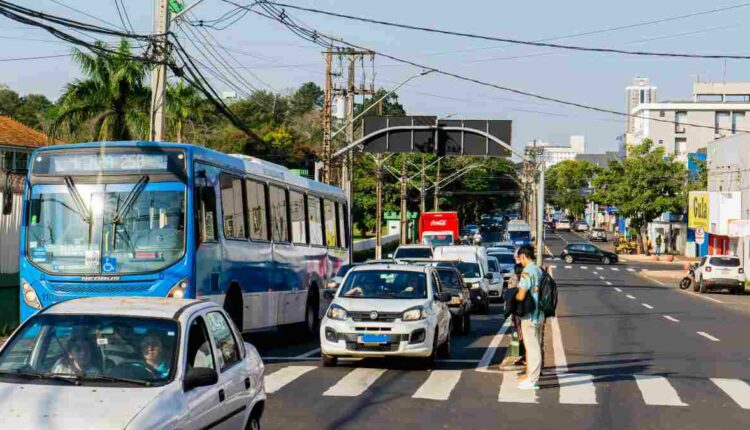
x=658, y=245
x=532, y=321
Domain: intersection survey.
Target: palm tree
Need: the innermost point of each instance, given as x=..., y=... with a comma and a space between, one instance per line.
x=184, y=105
x=112, y=98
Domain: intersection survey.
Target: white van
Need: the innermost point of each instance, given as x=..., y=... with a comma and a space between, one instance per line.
x=472, y=263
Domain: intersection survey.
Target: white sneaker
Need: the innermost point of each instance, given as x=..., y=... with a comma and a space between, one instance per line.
x=527, y=385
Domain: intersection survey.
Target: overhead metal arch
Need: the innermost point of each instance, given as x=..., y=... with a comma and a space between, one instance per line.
x=386, y=130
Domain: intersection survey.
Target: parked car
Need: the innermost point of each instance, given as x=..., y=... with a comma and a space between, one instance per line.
x=562, y=225
x=496, y=283
x=460, y=305
x=388, y=309
x=135, y=363
x=598, y=234
x=413, y=251
x=586, y=252
x=581, y=226
x=471, y=261
x=718, y=272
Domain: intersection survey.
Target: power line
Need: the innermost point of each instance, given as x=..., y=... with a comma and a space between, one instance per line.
x=94, y=17
x=315, y=36
x=501, y=39
x=41, y=57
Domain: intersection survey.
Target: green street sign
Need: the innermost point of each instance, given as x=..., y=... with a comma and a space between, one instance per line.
x=175, y=6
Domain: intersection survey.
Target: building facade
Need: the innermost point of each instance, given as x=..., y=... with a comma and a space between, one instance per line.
x=716, y=110
x=553, y=154
x=639, y=93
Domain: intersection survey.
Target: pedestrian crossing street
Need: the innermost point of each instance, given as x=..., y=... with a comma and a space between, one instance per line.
x=568, y=388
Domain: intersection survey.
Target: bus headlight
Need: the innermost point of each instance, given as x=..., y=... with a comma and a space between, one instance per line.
x=179, y=290
x=29, y=296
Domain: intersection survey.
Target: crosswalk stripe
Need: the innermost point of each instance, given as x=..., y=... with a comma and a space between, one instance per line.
x=552, y=266
x=439, y=385
x=607, y=282
x=599, y=268
x=584, y=267
x=576, y=389
x=630, y=297
x=615, y=269
x=647, y=306
x=568, y=267
x=673, y=319
x=630, y=269
x=510, y=393
x=355, y=382
x=618, y=290
x=737, y=389
x=278, y=379
x=656, y=390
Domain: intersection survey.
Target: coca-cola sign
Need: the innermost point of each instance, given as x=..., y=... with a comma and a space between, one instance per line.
x=438, y=223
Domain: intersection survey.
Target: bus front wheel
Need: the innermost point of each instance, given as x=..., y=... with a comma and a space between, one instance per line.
x=233, y=306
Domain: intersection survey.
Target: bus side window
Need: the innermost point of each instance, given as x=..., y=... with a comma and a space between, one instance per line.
x=256, y=210
x=329, y=220
x=279, y=214
x=314, y=222
x=206, y=213
x=342, y=224
x=232, y=204
x=297, y=206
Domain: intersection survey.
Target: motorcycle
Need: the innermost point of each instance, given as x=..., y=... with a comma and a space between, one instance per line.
x=689, y=279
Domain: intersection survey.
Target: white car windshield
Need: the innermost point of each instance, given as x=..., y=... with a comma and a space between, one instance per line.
x=92, y=348
x=385, y=284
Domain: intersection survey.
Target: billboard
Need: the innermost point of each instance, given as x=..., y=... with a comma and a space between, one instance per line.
x=698, y=204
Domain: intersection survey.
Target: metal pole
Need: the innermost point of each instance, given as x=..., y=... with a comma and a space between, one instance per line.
x=403, y=200
x=422, y=205
x=159, y=73
x=437, y=186
x=327, y=122
x=379, y=207
x=540, y=216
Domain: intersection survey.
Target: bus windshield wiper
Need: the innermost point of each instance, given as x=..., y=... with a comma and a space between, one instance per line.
x=130, y=199
x=83, y=210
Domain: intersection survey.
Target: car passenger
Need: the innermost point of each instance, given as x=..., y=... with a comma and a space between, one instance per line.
x=156, y=361
x=78, y=358
x=414, y=288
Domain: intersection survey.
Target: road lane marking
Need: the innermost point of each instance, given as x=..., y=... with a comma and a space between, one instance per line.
x=673, y=319
x=584, y=267
x=510, y=393
x=737, y=389
x=595, y=273
x=607, y=282
x=552, y=266
x=561, y=362
x=656, y=390
x=602, y=277
x=484, y=363
x=309, y=353
x=355, y=382
x=630, y=269
x=438, y=385
x=707, y=298
x=618, y=290
x=568, y=267
x=576, y=389
x=707, y=336
x=630, y=297
x=599, y=268
x=615, y=269
x=278, y=379
x=658, y=282
x=647, y=306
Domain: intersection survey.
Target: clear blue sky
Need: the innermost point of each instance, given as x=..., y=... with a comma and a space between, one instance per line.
x=279, y=59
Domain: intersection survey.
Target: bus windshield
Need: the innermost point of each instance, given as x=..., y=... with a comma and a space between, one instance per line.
x=106, y=228
x=519, y=235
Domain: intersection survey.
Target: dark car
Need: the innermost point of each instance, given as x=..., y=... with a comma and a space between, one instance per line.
x=460, y=304
x=479, y=297
x=587, y=252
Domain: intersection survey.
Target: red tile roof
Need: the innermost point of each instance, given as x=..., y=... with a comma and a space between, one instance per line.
x=13, y=133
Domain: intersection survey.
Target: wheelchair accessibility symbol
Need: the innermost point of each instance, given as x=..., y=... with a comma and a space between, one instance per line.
x=109, y=265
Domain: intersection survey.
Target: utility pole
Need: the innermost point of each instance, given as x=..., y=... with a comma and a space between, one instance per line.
x=159, y=73
x=540, y=215
x=379, y=206
x=422, y=206
x=347, y=179
x=403, y=200
x=326, y=177
x=437, y=186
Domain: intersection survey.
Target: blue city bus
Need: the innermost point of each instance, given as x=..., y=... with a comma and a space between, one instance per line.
x=176, y=220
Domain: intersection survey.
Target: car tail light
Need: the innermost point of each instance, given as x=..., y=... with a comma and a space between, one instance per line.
x=740, y=270
x=708, y=269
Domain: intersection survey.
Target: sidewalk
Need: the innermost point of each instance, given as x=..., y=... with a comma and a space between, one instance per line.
x=679, y=260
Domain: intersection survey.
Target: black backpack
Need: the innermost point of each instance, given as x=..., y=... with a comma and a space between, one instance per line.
x=547, y=294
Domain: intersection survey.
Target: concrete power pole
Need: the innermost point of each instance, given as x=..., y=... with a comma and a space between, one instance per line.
x=422, y=205
x=437, y=187
x=540, y=215
x=159, y=73
x=348, y=168
x=379, y=207
x=326, y=177
x=403, y=201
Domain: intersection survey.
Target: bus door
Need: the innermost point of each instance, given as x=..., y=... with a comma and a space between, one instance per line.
x=208, y=250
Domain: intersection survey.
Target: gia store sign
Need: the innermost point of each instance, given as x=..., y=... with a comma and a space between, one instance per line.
x=698, y=209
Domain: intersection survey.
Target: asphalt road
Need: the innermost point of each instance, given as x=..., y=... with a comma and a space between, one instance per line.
x=623, y=353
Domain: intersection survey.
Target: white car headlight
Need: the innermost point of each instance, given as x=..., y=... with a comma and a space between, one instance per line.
x=414, y=314
x=336, y=312
x=473, y=285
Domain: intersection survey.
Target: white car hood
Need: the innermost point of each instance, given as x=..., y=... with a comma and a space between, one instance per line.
x=380, y=305
x=53, y=407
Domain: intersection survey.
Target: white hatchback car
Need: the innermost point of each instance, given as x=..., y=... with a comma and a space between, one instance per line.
x=717, y=272
x=387, y=310
x=130, y=363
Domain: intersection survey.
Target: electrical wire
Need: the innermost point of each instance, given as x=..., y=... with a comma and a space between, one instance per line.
x=502, y=39
x=308, y=34
x=94, y=17
x=41, y=57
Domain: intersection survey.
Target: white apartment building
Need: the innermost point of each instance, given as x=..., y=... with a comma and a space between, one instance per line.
x=716, y=110
x=639, y=93
x=554, y=154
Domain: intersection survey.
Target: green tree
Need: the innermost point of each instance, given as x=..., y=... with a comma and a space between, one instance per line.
x=111, y=100
x=32, y=110
x=565, y=182
x=643, y=186
x=185, y=105
x=307, y=97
